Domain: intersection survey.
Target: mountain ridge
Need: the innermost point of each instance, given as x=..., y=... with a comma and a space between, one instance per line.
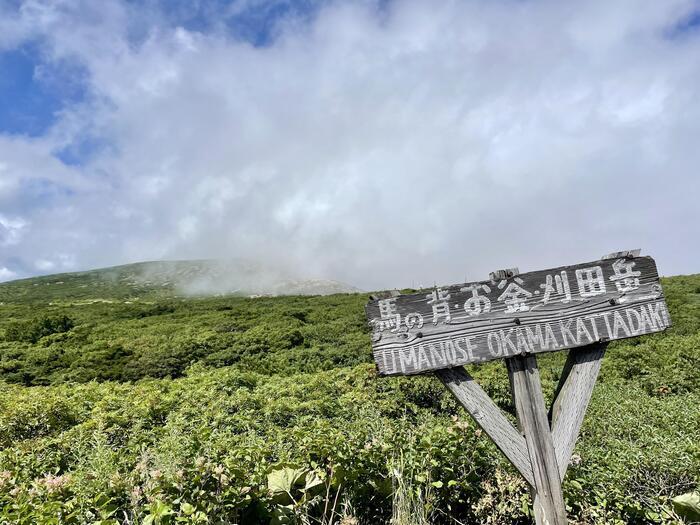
x=171, y=278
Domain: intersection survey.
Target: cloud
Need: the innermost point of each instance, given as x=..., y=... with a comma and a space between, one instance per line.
x=390, y=144
x=11, y=230
x=6, y=274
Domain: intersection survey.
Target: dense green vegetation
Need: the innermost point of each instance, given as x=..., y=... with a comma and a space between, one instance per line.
x=133, y=406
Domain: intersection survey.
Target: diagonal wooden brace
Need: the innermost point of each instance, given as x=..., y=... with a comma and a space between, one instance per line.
x=489, y=417
x=572, y=397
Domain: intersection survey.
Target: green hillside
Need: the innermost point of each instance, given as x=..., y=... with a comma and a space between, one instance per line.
x=124, y=401
x=163, y=279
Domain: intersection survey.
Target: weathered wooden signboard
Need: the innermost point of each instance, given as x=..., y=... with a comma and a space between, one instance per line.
x=514, y=317
x=533, y=312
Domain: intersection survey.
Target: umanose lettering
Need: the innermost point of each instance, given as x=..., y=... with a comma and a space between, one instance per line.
x=434, y=353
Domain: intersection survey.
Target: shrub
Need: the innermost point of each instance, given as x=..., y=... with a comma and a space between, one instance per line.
x=30, y=331
x=253, y=393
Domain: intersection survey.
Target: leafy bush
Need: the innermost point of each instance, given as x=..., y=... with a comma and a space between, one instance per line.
x=30, y=331
x=232, y=410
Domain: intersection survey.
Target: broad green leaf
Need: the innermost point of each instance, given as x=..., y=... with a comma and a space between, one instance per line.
x=687, y=506
x=283, y=481
x=312, y=480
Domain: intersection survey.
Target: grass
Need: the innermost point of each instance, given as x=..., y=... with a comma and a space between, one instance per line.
x=124, y=408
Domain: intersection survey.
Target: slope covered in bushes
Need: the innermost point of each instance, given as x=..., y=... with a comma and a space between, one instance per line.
x=233, y=410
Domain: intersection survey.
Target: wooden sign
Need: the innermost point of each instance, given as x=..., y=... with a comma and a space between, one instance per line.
x=515, y=316
x=522, y=314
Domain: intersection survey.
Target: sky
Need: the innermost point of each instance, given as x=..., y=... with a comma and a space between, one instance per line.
x=380, y=143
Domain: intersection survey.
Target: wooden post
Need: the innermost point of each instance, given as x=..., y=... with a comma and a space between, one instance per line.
x=526, y=389
x=547, y=493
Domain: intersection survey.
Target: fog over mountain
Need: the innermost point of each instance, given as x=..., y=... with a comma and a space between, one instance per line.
x=377, y=143
x=207, y=277
x=163, y=279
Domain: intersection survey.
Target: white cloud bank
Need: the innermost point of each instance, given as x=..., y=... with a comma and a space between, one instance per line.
x=382, y=146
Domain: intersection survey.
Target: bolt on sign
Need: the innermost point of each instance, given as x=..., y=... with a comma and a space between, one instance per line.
x=534, y=312
x=515, y=316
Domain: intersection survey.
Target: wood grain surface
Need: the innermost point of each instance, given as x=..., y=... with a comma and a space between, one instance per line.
x=526, y=389
x=511, y=314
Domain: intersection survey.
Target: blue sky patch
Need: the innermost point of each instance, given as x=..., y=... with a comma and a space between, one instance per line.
x=258, y=25
x=255, y=22
x=78, y=153
x=33, y=91
x=690, y=23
